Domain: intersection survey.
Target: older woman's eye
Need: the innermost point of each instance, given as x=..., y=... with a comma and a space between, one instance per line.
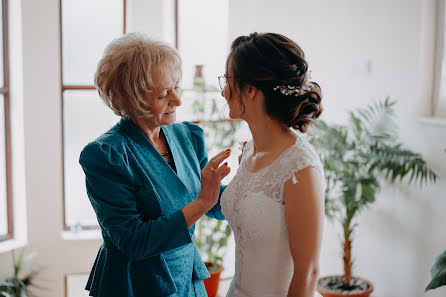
x=163, y=96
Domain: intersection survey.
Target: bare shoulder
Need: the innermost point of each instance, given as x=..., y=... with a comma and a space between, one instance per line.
x=305, y=184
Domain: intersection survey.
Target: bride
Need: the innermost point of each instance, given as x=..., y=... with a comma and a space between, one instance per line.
x=275, y=203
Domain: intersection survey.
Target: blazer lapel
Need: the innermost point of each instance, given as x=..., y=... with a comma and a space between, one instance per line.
x=162, y=176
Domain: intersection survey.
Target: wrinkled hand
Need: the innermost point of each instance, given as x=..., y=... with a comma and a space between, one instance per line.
x=242, y=146
x=211, y=177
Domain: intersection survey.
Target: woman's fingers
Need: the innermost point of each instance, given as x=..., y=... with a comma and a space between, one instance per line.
x=219, y=154
x=215, y=162
x=223, y=170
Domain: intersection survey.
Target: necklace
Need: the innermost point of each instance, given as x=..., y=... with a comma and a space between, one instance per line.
x=170, y=160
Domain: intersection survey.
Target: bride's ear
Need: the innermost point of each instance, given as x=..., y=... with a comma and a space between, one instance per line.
x=251, y=91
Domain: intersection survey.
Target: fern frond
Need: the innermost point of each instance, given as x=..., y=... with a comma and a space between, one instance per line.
x=397, y=162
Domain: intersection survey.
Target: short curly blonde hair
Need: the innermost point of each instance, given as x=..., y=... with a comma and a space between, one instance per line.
x=123, y=77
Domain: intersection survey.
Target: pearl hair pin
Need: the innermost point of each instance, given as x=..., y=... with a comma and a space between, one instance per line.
x=293, y=90
x=297, y=90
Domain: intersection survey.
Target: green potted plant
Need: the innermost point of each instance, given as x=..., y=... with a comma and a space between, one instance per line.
x=357, y=158
x=18, y=284
x=212, y=235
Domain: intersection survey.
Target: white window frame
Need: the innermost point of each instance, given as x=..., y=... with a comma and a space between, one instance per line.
x=17, y=135
x=432, y=105
x=439, y=102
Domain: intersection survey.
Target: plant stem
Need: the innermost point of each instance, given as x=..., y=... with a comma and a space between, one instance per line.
x=347, y=262
x=347, y=252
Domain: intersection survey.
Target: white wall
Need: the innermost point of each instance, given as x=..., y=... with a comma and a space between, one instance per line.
x=399, y=237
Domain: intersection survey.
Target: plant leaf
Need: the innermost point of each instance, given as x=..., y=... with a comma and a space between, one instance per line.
x=6, y=284
x=438, y=273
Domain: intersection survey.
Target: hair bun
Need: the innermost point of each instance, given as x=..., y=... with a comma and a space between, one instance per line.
x=307, y=109
x=276, y=65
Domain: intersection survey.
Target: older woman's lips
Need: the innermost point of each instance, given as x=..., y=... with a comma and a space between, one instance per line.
x=170, y=113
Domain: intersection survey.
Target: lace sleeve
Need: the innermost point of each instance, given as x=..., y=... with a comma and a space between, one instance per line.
x=301, y=157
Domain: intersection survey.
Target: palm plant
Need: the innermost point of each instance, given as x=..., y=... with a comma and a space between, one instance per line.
x=18, y=284
x=357, y=157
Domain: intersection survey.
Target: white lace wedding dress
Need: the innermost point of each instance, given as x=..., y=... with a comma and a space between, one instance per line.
x=254, y=207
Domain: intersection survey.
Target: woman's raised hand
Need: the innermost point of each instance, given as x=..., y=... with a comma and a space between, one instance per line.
x=211, y=176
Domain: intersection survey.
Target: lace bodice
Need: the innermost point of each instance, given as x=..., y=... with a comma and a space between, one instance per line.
x=253, y=204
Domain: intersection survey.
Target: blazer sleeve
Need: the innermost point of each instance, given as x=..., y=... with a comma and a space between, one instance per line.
x=110, y=187
x=202, y=155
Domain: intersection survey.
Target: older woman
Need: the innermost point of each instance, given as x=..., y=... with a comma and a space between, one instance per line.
x=148, y=179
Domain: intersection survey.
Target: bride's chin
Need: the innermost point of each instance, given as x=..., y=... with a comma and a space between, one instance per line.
x=233, y=116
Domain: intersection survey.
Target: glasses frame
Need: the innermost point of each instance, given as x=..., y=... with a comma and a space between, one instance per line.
x=223, y=81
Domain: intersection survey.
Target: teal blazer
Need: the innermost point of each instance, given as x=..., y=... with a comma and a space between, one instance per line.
x=148, y=249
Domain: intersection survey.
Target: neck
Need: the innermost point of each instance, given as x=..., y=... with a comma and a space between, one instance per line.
x=150, y=131
x=268, y=133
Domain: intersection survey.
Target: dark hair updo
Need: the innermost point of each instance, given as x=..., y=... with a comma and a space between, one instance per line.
x=268, y=60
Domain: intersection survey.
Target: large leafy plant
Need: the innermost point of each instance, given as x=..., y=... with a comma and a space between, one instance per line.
x=18, y=284
x=357, y=158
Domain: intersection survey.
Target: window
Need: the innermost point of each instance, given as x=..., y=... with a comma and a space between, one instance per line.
x=6, y=220
x=86, y=28
x=440, y=71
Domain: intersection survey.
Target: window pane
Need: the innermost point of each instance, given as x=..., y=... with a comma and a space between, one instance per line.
x=1, y=45
x=85, y=118
x=3, y=201
x=212, y=40
x=87, y=27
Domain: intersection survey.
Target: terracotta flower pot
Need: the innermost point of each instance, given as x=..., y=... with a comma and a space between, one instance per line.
x=211, y=284
x=326, y=292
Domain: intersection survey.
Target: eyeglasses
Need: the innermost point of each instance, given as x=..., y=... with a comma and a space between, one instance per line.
x=223, y=81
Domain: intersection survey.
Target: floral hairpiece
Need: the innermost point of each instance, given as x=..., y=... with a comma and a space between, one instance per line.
x=296, y=91
x=292, y=90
